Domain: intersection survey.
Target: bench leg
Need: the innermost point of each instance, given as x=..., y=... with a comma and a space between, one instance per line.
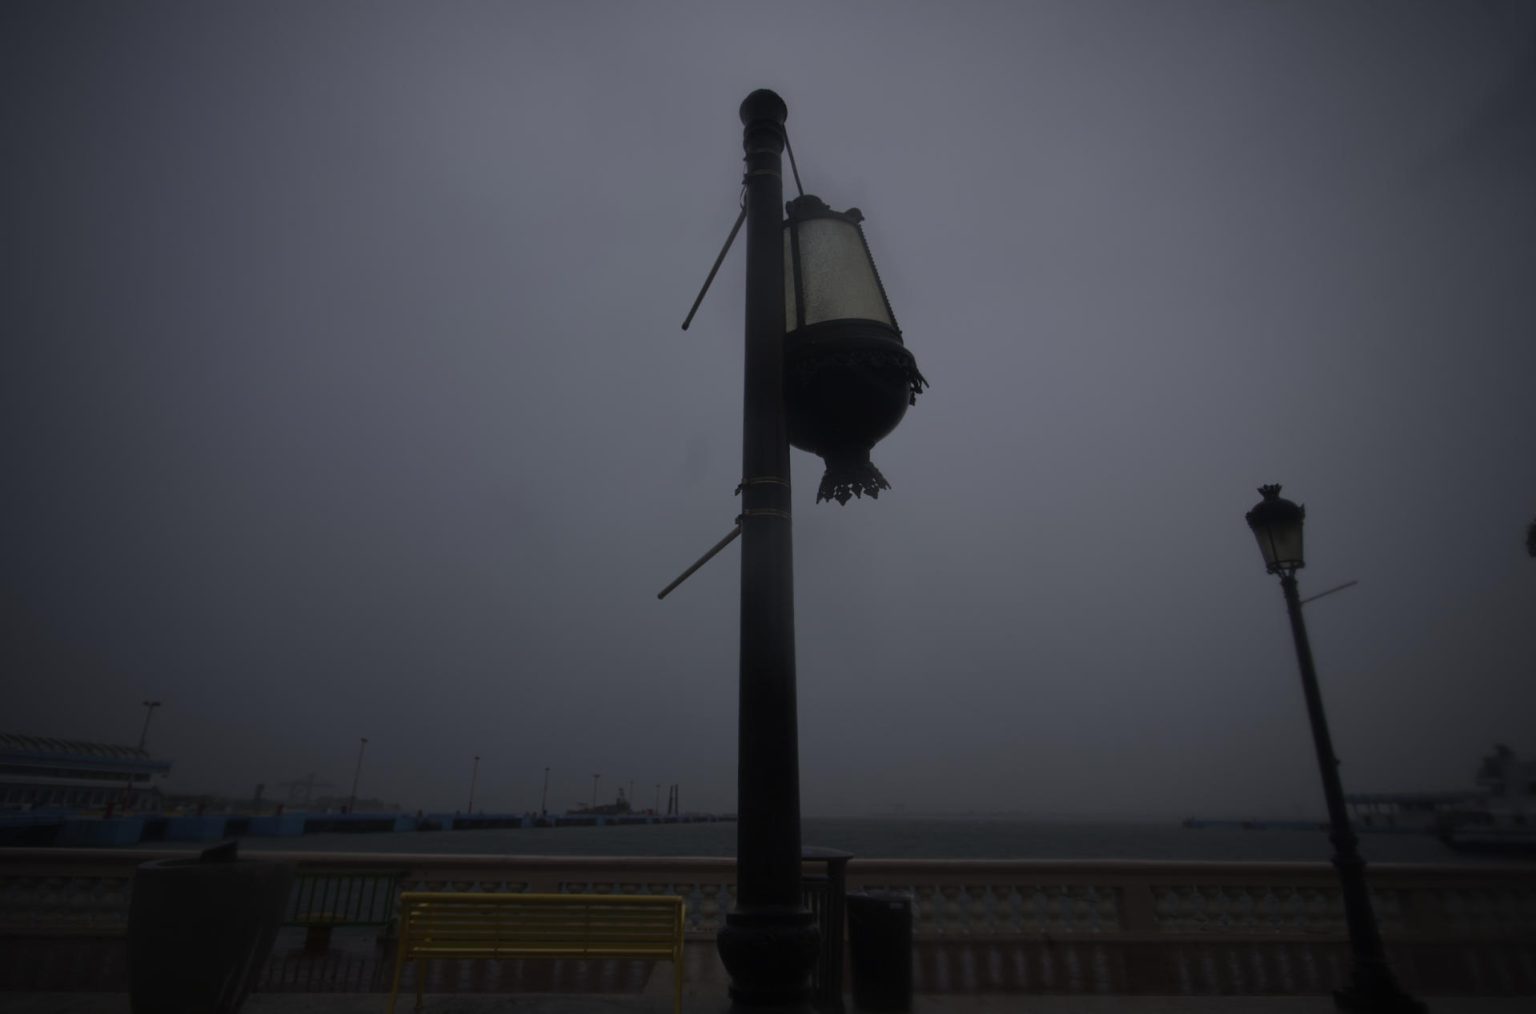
x=394, y=989
x=677, y=990
x=421, y=979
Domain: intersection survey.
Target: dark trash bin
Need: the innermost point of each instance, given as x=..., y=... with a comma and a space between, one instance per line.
x=880, y=950
x=200, y=929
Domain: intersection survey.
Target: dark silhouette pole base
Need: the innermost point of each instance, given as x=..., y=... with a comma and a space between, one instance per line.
x=1375, y=989
x=1368, y=1000
x=770, y=954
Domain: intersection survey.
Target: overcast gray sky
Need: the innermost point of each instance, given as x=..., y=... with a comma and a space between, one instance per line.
x=343, y=394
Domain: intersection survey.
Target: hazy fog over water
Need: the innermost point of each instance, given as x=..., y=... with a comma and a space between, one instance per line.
x=343, y=395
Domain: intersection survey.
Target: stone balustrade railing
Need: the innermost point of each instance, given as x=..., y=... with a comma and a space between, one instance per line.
x=979, y=925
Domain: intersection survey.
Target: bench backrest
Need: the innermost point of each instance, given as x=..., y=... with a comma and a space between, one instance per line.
x=552, y=923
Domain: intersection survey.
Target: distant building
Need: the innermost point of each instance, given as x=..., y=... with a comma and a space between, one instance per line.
x=1505, y=783
x=618, y=807
x=37, y=772
x=1506, y=778
x=1409, y=810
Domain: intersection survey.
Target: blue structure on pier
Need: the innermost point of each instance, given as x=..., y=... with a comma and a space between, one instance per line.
x=38, y=772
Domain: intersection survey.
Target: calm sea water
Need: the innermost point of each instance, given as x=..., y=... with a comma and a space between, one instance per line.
x=870, y=838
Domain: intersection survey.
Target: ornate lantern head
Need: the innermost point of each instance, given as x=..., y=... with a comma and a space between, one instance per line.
x=848, y=378
x=1276, y=523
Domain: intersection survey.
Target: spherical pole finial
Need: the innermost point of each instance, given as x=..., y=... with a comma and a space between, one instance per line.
x=763, y=104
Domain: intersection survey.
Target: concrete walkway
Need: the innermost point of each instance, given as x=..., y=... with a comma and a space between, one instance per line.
x=549, y=1003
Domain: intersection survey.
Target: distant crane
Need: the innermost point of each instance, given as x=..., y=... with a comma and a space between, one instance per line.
x=149, y=712
x=357, y=773
x=308, y=783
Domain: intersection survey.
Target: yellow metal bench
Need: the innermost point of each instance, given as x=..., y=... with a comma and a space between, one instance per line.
x=484, y=925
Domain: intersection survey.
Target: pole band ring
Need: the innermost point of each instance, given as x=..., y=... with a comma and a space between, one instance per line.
x=766, y=512
x=761, y=480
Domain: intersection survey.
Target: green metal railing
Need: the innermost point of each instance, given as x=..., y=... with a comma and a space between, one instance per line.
x=322, y=901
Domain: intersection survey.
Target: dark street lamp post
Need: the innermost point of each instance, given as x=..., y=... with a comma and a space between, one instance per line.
x=827, y=370
x=769, y=942
x=1276, y=523
x=149, y=712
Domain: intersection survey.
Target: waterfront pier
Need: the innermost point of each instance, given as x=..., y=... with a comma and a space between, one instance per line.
x=73, y=828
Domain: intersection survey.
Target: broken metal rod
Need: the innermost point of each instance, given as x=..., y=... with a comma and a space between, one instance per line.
x=701, y=561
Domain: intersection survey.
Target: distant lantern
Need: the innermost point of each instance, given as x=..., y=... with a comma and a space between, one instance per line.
x=1276, y=523
x=848, y=377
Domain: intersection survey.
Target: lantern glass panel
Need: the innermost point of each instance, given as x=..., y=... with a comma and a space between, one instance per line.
x=836, y=276
x=1281, y=545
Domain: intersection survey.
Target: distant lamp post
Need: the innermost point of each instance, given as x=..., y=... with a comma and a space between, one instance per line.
x=474, y=776
x=149, y=712
x=544, y=798
x=1276, y=524
x=594, y=791
x=362, y=744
